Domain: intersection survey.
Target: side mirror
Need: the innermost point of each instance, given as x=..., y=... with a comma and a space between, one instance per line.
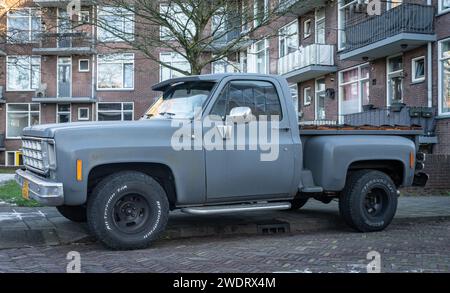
x=240, y=115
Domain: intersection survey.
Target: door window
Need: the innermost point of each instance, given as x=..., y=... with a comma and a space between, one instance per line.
x=260, y=96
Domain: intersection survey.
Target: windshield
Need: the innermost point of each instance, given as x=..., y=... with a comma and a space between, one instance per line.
x=181, y=101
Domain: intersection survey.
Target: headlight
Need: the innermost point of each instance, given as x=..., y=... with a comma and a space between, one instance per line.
x=39, y=154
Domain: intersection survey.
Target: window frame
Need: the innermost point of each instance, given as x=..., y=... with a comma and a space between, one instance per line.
x=256, y=21
x=254, y=57
x=123, y=62
x=316, y=96
x=414, y=68
x=107, y=10
x=391, y=73
x=30, y=26
x=17, y=154
x=226, y=87
x=442, y=10
x=30, y=81
x=359, y=81
x=441, y=78
x=122, y=111
x=316, y=24
x=88, y=63
x=307, y=103
x=286, y=38
x=79, y=114
x=161, y=67
x=63, y=112
x=29, y=112
x=305, y=23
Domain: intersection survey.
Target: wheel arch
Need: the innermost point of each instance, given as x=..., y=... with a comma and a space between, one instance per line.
x=160, y=172
x=395, y=169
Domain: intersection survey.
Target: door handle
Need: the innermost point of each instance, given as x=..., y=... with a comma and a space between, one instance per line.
x=282, y=129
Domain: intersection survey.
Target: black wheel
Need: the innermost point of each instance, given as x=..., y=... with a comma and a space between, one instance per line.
x=128, y=210
x=368, y=202
x=298, y=203
x=74, y=213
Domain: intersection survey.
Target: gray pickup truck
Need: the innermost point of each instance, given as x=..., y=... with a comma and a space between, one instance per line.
x=124, y=178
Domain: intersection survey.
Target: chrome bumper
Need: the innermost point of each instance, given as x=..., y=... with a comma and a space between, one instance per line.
x=44, y=191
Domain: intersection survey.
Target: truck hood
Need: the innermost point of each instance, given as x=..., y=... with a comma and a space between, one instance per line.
x=50, y=130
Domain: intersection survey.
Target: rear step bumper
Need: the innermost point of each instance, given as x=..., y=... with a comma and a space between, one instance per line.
x=228, y=209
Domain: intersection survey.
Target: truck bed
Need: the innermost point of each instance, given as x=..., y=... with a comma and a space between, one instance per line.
x=317, y=130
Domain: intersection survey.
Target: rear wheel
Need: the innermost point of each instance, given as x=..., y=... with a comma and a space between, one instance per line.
x=74, y=213
x=128, y=210
x=368, y=202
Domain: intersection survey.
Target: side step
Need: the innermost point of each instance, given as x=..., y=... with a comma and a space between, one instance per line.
x=237, y=208
x=308, y=183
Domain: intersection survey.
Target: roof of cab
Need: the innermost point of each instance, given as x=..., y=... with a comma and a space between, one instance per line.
x=162, y=86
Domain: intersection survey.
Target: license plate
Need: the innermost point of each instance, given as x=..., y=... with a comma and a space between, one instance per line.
x=26, y=190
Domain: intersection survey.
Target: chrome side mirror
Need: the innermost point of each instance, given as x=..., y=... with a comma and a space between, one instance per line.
x=240, y=115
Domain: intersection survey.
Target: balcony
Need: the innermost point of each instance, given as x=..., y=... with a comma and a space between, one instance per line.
x=63, y=44
x=64, y=91
x=307, y=63
x=226, y=39
x=402, y=28
x=299, y=7
x=59, y=3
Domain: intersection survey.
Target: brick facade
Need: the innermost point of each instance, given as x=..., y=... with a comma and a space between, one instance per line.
x=146, y=73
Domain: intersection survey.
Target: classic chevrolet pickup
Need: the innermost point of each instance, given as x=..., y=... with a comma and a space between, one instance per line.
x=124, y=178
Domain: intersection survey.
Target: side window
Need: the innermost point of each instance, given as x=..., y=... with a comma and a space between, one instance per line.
x=260, y=96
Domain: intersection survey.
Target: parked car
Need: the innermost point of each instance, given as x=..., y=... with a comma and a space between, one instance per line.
x=124, y=178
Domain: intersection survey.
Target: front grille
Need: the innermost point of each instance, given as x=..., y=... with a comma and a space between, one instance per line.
x=33, y=156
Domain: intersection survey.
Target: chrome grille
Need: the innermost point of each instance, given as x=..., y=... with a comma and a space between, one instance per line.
x=33, y=156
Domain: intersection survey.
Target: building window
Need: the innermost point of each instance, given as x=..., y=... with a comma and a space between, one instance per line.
x=24, y=25
x=320, y=99
x=261, y=11
x=444, y=77
x=307, y=96
x=83, y=114
x=224, y=66
x=115, y=24
x=83, y=65
x=343, y=14
x=444, y=6
x=19, y=116
x=395, y=78
x=354, y=89
x=63, y=113
x=13, y=159
x=258, y=57
x=115, y=111
x=294, y=93
x=115, y=71
x=174, y=60
x=320, y=26
x=288, y=40
x=178, y=20
x=23, y=73
x=84, y=17
x=394, y=3
x=418, y=69
x=307, y=29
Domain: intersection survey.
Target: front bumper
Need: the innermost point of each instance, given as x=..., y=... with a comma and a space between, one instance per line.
x=43, y=190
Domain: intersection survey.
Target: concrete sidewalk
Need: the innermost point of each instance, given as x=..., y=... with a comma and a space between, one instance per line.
x=22, y=227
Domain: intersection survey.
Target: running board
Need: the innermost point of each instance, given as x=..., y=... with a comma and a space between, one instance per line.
x=237, y=208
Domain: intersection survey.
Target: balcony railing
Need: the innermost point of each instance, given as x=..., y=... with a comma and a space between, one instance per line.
x=299, y=7
x=65, y=43
x=316, y=54
x=405, y=18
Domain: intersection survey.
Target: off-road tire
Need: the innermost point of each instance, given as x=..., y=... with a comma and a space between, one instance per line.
x=104, y=211
x=355, y=204
x=73, y=213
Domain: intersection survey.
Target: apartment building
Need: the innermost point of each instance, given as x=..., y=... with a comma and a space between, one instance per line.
x=338, y=59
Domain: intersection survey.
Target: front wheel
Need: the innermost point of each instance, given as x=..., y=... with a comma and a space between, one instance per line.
x=128, y=210
x=368, y=202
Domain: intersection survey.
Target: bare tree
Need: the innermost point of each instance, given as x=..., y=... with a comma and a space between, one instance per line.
x=201, y=31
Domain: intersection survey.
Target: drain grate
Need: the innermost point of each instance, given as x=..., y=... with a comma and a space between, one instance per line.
x=276, y=228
